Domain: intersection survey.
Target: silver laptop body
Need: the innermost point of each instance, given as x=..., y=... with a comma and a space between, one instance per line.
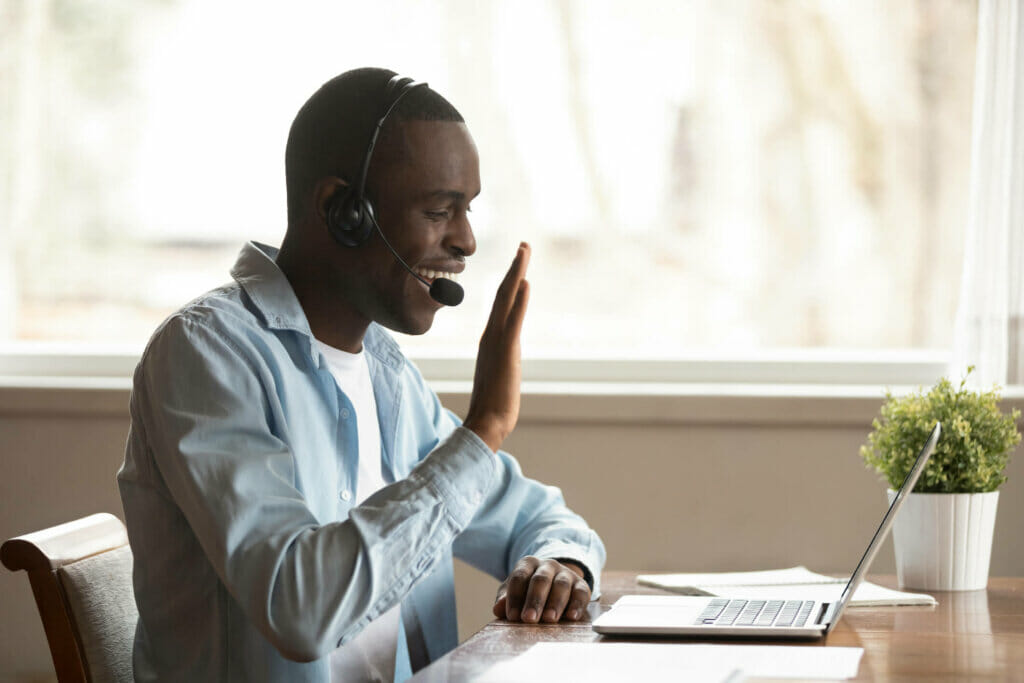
x=710, y=617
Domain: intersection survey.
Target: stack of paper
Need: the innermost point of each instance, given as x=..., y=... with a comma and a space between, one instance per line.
x=795, y=582
x=671, y=661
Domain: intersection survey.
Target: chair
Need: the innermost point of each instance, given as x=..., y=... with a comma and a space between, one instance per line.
x=81, y=576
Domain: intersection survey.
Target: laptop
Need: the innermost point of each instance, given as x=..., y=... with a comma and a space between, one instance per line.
x=712, y=617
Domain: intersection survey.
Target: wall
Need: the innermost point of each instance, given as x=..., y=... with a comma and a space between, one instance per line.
x=678, y=480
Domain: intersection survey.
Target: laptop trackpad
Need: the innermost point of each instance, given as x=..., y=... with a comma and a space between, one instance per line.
x=655, y=611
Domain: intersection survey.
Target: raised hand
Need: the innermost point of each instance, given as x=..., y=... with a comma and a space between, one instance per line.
x=494, y=405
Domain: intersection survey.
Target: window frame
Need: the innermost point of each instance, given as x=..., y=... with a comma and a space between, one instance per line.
x=817, y=390
x=52, y=363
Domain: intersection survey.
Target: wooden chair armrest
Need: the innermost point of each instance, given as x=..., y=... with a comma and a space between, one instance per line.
x=63, y=544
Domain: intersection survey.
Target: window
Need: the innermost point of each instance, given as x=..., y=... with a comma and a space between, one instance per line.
x=736, y=177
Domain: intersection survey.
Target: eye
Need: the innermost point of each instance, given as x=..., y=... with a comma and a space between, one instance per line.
x=436, y=215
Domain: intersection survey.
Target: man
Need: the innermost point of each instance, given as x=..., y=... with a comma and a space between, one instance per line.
x=293, y=490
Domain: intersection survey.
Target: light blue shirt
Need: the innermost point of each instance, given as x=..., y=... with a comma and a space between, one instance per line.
x=251, y=563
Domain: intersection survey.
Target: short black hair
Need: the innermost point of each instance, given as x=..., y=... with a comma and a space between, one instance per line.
x=332, y=130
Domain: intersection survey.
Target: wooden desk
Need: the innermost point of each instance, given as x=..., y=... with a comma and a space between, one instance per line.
x=968, y=636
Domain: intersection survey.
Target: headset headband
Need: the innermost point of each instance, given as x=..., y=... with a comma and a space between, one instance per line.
x=404, y=87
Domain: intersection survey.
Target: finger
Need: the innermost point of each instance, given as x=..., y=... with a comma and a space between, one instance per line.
x=509, y=287
x=514, y=325
x=537, y=595
x=499, y=607
x=578, y=602
x=499, y=600
x=507, y=291
x=502, y=590
x=518, y=583
x=558, y=598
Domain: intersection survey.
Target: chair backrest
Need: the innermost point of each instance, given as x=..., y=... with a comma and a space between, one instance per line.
x=81, y=576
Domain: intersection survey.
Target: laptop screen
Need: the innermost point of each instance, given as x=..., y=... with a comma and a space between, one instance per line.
x=883, y=528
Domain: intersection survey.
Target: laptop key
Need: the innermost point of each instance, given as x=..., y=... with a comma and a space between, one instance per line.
x=750, y=612
x=731, y=612
x=805, y=611
x=712, y=611
x=769, y=613
x=714, y=608
x=788, y=613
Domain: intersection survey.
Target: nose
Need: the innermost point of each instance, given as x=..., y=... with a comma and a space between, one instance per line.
x=460, y=239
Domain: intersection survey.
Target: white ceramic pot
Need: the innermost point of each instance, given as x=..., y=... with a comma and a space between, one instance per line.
x=943, y=541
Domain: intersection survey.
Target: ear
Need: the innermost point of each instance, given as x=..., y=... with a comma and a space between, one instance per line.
x=323, y=192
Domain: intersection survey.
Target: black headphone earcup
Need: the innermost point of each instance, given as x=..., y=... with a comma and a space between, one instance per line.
x=350, y=216
x=349, y=219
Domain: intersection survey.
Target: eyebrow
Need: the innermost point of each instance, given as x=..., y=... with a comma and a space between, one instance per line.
x=453, y=195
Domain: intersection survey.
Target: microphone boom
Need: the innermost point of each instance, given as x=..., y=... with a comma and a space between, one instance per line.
x=443, y=291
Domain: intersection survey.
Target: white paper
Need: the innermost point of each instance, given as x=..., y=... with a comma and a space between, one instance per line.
x=674, y=661
x=774, y=577
x=792, y=583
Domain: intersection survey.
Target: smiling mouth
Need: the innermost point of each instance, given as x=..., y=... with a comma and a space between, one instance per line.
x=432, y=275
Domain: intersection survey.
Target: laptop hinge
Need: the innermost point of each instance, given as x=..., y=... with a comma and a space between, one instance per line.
x=825, y=613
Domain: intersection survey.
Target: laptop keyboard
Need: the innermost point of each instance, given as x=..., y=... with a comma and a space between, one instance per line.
x=725, y=612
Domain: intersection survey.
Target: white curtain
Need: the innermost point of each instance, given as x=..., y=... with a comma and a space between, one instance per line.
x=989, y=329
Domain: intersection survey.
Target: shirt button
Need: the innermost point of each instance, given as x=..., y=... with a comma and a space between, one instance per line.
x=345, y=495
x=344, y=413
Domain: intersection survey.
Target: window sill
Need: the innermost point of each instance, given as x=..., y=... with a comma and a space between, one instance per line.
x=700, y=404
x=635, y=403
x=796, y=387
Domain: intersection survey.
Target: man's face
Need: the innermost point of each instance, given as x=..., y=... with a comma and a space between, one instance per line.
x=422, y=193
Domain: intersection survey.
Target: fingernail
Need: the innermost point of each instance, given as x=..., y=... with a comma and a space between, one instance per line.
x=529, y=614
x=549, y=615
x=573, y=614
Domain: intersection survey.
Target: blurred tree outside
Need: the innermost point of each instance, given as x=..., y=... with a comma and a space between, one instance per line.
x=693, y=175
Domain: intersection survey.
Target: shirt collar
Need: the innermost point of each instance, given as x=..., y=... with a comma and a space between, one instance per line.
x=381, y=346
x=257, y=273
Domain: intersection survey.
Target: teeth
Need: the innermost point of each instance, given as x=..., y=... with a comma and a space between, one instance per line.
x=434, y=274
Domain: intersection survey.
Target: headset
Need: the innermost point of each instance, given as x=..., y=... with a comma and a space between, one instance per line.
x=350, y=214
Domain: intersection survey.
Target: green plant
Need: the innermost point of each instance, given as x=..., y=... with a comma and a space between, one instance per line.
x=972, y=452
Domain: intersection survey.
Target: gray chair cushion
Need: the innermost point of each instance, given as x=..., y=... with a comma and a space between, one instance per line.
x=99, y=592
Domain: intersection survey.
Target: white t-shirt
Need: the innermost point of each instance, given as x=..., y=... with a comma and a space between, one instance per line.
x=370, y=656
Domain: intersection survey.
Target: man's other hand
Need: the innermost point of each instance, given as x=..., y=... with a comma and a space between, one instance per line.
x=494, y=404
x=543, y=591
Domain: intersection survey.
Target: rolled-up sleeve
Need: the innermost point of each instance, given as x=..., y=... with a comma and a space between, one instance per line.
x=208, y=409
x=521, y=517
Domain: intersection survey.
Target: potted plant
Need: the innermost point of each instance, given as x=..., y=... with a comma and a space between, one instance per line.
x=943, y=535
